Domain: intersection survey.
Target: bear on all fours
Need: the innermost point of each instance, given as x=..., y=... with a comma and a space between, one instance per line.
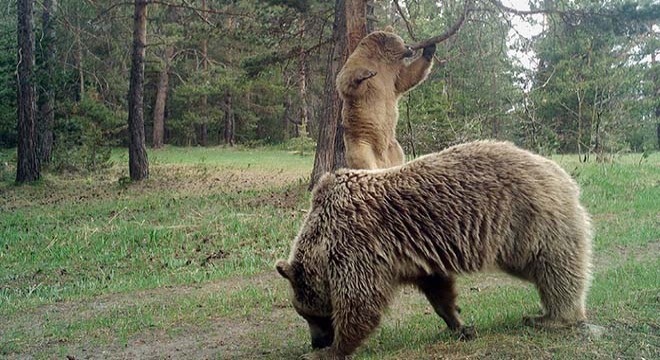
x=466, y=209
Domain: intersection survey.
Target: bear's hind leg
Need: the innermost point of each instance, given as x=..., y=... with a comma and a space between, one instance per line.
x=441, y=293
x=395, y=155
x=562, y=287
x=360, y=155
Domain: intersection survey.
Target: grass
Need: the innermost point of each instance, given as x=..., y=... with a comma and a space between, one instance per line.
x=184, y=261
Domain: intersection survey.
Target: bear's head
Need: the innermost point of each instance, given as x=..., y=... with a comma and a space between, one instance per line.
x=381, y=54
x=385, y=46
x=306, y=269
x=311, y=299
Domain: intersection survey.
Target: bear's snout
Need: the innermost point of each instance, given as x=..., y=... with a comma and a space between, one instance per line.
x=321, y=332
x=409, y=52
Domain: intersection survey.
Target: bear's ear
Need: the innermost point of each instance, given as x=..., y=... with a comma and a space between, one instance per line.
x=284, y=269
x=389, y=29
x=362, y=74
x=326, y=181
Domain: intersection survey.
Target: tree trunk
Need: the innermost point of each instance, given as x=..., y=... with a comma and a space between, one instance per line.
x=46, y=119
x=27, y=168
x=203, y=127
x=79, y=60
x=302, y=92
x=656, y=88
x=161, y=99
x=229, y=120
x=137, y=153
x=348, y=29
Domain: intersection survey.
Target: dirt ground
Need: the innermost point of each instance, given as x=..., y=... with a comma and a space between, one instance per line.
x=221, y=338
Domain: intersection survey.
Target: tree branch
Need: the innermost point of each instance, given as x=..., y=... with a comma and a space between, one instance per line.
x=447, y=34
x=183, y=5
x=405, y=20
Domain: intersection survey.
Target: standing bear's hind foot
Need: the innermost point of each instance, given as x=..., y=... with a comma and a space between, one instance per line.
x=548, y=322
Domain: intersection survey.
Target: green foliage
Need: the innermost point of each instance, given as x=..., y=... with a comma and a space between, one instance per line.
x=301, y=145
x=593, y=60
x=85, y=133
x=592, y=89
x=8, y=90
x=470, y=95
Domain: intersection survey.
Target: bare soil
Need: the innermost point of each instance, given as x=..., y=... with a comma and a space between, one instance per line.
x=229, y=337
x=180, y=179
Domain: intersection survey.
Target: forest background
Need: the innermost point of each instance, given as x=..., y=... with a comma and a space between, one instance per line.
x=255, y=73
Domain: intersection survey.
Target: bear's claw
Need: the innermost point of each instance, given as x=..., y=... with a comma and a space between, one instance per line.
x=467, y=333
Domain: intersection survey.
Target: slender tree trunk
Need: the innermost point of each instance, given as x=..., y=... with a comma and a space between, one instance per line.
x=230, y=122
x=137, y=152
x=656, y=88
x=302, y=91
x=203, y=127
x=348, y=29
x=79, y=60
x=161, y=100
x=27, y=168
x=287, y=120
x=46, y=121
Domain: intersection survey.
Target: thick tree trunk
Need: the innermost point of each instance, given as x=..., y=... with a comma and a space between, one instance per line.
x=27, y=168
x=356, y=24
x=349, y=28
x=230, y=122
x=46, y=96
x=137, y=152
x=161, y=99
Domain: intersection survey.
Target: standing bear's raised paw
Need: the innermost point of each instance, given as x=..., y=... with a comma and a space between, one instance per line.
x=428, y=52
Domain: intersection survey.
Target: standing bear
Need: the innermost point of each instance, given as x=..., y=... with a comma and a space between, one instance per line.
x=469, y=208
x=370, y=84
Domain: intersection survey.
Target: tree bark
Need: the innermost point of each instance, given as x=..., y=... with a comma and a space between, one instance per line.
x=79, y=60
x=349, y=28
x=656, y=90
x=27, y=168
x=161, y=99
x=229, y=120
x=203, y=127
x=302, y=92
x=137, y=153
x=46, y=119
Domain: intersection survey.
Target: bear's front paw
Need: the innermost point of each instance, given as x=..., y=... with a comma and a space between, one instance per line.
x=362, y=74
x=428, y=52
x=325, y=354
x=467, y=333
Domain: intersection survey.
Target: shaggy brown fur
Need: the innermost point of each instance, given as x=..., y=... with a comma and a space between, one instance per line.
x=370, y=83
x=469, y=208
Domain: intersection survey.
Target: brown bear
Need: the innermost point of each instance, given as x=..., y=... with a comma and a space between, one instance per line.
x=471, y=207
x=370, y=84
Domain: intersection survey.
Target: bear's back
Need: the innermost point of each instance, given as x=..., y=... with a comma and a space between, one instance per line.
x=468, y=199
